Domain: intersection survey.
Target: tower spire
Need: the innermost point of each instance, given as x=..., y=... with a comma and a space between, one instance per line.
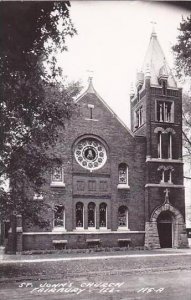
x=153, y=28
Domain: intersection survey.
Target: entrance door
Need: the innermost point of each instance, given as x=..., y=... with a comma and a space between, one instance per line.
x=164, y=224
x=165, y=234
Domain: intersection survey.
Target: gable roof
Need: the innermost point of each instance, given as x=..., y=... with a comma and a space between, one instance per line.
x=91, y=90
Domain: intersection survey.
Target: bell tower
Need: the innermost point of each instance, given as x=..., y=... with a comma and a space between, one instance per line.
x=156, y=114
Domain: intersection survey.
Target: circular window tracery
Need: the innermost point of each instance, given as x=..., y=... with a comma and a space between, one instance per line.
x=90, y=154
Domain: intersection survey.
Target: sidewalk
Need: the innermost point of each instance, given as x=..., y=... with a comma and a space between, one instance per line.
x=59, y=256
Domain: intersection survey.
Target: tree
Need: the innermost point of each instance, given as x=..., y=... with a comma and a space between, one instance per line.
x=182, y=49
x=33, y=103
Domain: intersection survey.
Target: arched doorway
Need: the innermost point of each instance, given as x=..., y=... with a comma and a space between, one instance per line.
x=165, y=229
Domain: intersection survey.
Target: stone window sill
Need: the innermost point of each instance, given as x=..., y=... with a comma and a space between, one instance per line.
x=59, y=229
x=123, y=228
x=79, y=229
x=122, y=186
x=57, y=184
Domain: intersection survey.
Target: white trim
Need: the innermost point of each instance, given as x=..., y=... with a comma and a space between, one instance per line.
x=84, y=232
x=165, y=184
x=19, y=229
x=122, y=228
x=123, y=186
x=168, y=88
x=88, y=119
x=60, y=229
x=57, y=184
x=90, y=106
x=159, y=160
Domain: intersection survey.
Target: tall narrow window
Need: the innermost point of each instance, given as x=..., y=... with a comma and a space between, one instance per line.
x=103, y=215
x=59, y=216
x=123, y=173
x=170, y=145
x=162, y=176
x=57, y=178
x=159, y=144
x=122, y=217
x=139, y=117
x=164, y=111
x=91, y=215
x=169, y=176
x=79, y=215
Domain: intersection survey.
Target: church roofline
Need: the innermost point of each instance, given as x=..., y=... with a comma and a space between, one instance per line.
x=91, y=90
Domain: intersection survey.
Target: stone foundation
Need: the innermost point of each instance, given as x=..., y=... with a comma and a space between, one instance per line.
x=151, y=236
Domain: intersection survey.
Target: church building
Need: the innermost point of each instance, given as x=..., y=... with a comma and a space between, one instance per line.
x=119, y=187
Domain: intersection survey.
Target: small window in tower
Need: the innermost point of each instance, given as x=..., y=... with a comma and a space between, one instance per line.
x=159, y=144
x=164, y=111
x=169, y=145
x=166, y=174
x=139, y=117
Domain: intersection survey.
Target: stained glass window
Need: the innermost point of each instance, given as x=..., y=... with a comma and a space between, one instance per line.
x=59, y=216
x=57, y=174
x=91, y=214
x=122, y=216
x=123, y=173
x=79, y=215
x=90, y=154
x=103, y=215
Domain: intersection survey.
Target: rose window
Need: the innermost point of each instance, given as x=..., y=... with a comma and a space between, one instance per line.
x=90, y=154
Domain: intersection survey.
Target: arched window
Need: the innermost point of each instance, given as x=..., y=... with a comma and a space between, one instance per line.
x=166, y=174
x=103, y=215
x=123, y=217
x=91, y=215
x=159, y=144
x=79, y=215
x=123, y=174
x=59, y=216
x=169, y=145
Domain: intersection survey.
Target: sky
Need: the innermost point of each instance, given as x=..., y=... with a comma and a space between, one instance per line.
x=112, y=40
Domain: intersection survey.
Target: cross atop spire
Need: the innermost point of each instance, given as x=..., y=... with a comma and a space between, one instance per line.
x=90, y=79
x=153, y=28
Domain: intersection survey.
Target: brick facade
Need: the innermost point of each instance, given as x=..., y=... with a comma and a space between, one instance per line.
x=96, y=206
